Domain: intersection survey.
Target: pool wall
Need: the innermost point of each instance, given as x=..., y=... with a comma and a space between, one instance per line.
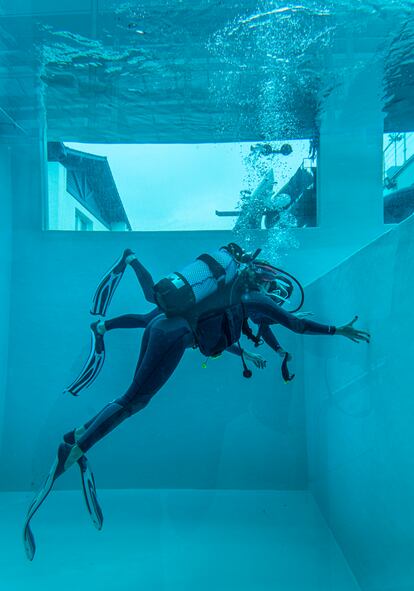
x=207, y=428
x=360, y=407
x=5, y=265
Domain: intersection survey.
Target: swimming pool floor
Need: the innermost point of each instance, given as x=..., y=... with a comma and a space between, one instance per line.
x=167, y=540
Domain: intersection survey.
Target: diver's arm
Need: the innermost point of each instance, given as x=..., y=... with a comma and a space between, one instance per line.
x=257, y=359
x=303, y=314
x=235, y=350
x=257, y=303
x=269, y=338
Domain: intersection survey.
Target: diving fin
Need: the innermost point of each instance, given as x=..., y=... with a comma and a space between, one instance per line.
x=66, y=456
x=89, y=491
x=28, y=537
x=108, y=285
x=93, y=364
x=88, y=480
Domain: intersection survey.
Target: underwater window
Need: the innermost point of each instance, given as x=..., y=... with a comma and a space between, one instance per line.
x=398, y=176
x=159, y=187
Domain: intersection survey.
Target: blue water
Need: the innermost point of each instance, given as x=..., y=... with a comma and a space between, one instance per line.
x=221, y=482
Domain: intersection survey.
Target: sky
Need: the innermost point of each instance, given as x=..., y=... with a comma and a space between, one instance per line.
x=180, y=186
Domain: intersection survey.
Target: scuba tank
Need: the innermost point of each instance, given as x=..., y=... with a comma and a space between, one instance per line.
x=181, y=290
x=177, y=293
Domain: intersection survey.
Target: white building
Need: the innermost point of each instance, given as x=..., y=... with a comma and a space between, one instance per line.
x=82, y=192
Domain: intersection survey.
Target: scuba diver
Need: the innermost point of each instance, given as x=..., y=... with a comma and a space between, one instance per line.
x=206, y=306
x=268, y=280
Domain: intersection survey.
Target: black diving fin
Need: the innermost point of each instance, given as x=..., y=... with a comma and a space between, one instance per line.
x=93, y=364
x=108, y=285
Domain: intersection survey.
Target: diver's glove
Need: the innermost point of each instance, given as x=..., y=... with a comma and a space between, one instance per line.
x=286, y=375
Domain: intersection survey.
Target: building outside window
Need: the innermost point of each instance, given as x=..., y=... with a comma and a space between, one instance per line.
x=82, y=194
x=82, y=223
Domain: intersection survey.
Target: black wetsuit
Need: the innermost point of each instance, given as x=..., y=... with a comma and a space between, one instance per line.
x=165, y=340
x=142, y=320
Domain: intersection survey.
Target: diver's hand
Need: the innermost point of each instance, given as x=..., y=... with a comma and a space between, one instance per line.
x=257, y=359
x=348, y=331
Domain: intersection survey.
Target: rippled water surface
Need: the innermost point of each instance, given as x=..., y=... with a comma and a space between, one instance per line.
x=207, y=71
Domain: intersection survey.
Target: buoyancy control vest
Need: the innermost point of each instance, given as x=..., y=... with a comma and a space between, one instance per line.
x=178, y=293
x=215, y=332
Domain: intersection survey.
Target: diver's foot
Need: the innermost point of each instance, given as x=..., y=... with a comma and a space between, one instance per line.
x=67, y=455
x=73, y=436
x=95, y=361
x=87, y=478
x=109, y=283
x=99, y=327
x=98, y=330
x=125, y=259
x=129, y=256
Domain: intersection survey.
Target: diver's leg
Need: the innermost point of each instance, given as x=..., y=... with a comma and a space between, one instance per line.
x=109, y=283
x=144, y=277
x=113, y=276
x=128, y=321
x=165, y=341
x=96, y=357
x=74, y=435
